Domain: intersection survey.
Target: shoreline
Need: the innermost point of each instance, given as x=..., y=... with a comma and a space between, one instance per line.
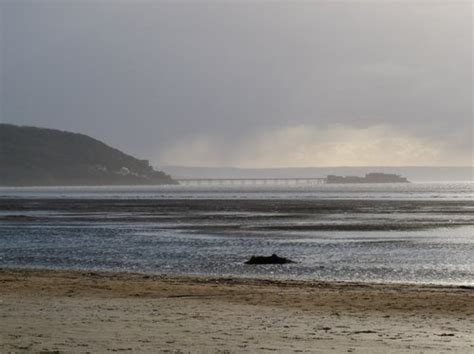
x=107, y=311
x=235, y=279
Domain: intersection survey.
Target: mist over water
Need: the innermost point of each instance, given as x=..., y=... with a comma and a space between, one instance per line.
x=420, y=233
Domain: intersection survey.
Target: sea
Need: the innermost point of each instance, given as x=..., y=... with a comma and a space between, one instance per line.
x=386, y=233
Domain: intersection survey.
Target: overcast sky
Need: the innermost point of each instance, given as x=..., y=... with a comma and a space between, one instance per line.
x=249, y=84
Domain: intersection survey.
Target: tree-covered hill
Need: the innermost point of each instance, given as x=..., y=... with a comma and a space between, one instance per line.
x=32, y=156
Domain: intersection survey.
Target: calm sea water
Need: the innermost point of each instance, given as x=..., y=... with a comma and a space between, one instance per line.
x=446, y=190
x=421, y=233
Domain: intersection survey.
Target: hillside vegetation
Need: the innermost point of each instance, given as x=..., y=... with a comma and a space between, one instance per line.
x=32, y=156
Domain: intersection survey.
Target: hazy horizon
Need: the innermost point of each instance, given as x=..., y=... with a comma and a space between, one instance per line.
x=247, y=84
x=413, y=173
x=322, y=166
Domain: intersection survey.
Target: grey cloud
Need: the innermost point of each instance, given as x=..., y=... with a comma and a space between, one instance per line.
x=146, y=75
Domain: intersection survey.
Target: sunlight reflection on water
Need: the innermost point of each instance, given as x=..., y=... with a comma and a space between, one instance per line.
x=400, y=235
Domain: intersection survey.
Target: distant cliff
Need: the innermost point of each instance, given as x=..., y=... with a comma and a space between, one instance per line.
x=44, y=157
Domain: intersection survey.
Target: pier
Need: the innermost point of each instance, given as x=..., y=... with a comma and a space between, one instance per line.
x=249, y=181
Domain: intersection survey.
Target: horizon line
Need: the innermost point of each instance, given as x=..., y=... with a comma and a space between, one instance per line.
x=339, y=166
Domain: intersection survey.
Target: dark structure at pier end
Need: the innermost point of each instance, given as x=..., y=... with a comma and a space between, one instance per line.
x=369, y=178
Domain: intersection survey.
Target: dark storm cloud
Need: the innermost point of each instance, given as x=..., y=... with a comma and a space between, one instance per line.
x=159, y=78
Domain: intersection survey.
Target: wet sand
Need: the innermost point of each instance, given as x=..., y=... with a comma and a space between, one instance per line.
x=75, y=311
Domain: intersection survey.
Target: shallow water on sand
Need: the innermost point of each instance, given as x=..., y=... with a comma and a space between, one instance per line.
x=386, y=233
x=410, y=191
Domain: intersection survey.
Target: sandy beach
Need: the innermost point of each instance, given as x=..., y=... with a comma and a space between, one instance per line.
x=46, y=310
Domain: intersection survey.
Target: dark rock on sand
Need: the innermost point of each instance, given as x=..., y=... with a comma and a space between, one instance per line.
x=273, y=259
